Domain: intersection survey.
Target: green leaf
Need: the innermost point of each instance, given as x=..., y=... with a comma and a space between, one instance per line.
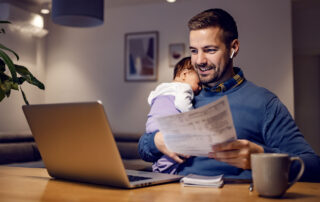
x=2, y=86
x=21, y=80
x=24, y=96
x=8, y=49
x=2, y=94
x=26, y=74
x=10, y=65
x=5, y=89
x=2, y=66
x=7, y=86
x=14, y=86
x=4, y=77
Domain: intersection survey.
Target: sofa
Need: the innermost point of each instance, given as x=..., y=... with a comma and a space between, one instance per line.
x=20, y=149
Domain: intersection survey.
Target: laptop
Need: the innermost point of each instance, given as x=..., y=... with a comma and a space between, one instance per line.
x=76, y=143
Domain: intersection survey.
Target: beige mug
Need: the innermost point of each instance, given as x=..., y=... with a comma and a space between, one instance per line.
x=270, y=173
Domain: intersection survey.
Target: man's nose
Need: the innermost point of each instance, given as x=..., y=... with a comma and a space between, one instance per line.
x=201, y=59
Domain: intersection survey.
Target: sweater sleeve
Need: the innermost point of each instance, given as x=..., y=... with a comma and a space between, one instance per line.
x=282, y=135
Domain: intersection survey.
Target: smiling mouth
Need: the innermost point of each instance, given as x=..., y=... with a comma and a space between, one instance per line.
x=205, y=68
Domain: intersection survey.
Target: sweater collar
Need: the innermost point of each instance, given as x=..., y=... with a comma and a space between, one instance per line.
x=236, y=80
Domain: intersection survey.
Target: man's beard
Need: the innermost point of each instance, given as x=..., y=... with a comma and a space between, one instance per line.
x=210, y=78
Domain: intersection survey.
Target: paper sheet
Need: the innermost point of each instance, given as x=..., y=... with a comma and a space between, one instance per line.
x=194, y=132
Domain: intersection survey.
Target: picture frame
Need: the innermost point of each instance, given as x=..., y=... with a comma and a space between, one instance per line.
x=141, y=56
x=176, y=53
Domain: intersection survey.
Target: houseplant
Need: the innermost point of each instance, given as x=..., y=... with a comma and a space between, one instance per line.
x=19, y=74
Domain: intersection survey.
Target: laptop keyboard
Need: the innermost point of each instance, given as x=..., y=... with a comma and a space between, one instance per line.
x=133, y=178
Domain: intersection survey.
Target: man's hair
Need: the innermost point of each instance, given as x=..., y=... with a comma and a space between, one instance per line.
x=216, y=18
x=184, y=63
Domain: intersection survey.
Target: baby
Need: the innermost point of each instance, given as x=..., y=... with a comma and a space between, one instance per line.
x=172, y=98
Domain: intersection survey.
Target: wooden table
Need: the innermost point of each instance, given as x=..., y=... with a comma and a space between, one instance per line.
x=34, y=184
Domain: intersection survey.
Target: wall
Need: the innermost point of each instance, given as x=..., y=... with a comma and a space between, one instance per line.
x=306, y=29
x=88, y=64
x=31, y=51
x=306, y=46
x=307, y=97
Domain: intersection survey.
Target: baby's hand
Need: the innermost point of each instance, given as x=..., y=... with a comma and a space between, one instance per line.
x=159, y=142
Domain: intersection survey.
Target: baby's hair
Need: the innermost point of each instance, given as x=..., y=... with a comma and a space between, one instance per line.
x=184, y=63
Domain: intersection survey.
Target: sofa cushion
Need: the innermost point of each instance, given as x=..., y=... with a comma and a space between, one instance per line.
x=20, y=147
x=128, y=145
x=127, y=137
x=15, y=137
x=128, y=150
x=137, y=164
x=18, y=152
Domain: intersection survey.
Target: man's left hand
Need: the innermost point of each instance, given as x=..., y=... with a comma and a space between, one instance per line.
x=236, y=153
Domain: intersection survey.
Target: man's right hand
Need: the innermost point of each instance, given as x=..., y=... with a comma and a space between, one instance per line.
x=159, y=142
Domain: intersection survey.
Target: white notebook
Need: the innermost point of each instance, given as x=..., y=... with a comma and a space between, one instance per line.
x=202, y=181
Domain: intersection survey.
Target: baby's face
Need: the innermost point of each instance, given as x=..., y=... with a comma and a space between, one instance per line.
x=193, y=80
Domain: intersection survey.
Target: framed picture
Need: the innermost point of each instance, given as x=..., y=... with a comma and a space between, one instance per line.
x=141, y=56
x=176, y=53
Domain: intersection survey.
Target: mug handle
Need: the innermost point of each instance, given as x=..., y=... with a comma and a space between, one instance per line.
x=300, y=172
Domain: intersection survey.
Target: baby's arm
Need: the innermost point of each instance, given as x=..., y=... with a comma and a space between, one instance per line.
x=183, y=100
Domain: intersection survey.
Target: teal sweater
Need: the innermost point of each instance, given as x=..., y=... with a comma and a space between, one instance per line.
x=258, y=116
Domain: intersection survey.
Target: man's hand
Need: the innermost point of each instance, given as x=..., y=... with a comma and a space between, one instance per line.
x=159, y=142
x=236, y=153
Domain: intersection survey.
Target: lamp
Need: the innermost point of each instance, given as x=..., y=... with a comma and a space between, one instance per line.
x=45, y=8
x=22, y=20
x=78, y=13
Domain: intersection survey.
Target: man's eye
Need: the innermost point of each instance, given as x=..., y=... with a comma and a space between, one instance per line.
x=193, y=51
x=210, y=50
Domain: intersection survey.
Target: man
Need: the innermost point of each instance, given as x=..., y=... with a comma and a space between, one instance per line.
x=262, y=122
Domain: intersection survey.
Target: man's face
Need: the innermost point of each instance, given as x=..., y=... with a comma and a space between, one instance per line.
x=210, y=56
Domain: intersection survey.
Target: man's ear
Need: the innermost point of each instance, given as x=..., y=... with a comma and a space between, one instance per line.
x=234, y=47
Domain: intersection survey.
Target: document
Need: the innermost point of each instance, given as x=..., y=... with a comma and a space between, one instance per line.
x=194, y=132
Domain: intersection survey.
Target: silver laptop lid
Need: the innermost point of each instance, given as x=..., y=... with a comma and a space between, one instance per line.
x=76, y=142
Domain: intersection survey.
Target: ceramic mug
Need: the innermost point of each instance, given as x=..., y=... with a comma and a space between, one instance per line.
x=270, y=173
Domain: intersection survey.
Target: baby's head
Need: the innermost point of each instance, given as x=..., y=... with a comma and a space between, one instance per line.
x=184, y=72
